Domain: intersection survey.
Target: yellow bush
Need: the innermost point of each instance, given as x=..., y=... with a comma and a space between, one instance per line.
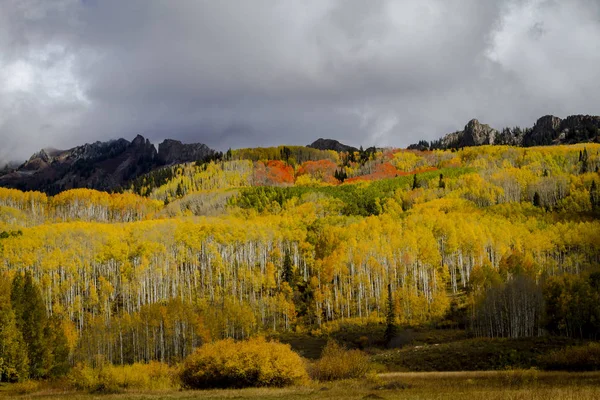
x=230, y=364
x=24, y=387
x=115, y=378
x=337, y=362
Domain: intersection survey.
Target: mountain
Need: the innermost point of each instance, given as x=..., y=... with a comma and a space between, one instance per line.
x=330, y=144
x=173, y=151
x=100, y=165
x=547, y=130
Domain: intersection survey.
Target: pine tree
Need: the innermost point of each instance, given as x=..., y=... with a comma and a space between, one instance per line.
x=583, y=158
x=59, y=346
x=288, y=270
x=415, y=183
x=536, y=200
x=594, y=197
x=14, y=365
x=442, y=183
x=31, y=319
x=390, y=319
x=179, y=192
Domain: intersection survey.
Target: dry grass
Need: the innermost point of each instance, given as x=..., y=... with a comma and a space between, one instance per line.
x=514, y=385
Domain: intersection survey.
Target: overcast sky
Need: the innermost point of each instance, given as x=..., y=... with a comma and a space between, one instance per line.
x=235, y=73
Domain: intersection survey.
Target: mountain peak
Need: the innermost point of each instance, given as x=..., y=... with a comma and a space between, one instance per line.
x=139, y=141
x=330, y=144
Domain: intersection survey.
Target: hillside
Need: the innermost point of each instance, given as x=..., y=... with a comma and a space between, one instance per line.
x=252, y=243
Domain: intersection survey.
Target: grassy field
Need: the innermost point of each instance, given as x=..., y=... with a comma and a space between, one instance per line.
x=479, y=354
x=485, y=385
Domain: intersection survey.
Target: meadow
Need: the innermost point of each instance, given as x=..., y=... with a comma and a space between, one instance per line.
x=485, y=385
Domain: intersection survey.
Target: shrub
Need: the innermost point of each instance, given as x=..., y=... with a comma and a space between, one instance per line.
x=336, y=362
x=116, y=378
x=519, y=377
x=573, y=358
x=24, y=387
x=230, y=364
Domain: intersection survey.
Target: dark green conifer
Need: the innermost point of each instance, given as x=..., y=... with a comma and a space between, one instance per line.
x=31, y=319
x=536, y=200
x=391, y=330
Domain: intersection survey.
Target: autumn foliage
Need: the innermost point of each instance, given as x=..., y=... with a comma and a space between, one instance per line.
x=337, y=363
x=254, y=362
x=273, y=173
x=241, y=247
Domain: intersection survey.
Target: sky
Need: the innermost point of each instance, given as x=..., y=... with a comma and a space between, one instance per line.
x=233, y=73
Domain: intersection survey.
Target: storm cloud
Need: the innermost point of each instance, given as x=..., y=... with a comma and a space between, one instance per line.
x=235, y=73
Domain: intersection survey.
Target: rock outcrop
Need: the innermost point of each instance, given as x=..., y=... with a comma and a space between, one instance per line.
x=544, y=132
x=100, y=165
x=331, y=144
x=173, y=151
x=477, y=134
x=548, y=130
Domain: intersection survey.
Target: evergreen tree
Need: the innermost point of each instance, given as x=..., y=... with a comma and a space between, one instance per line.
x=179, y=192
x=14, y=365
x=59, y=346
x=594, y=196
x=288, y=270
x=390, y=319
x=536, y=200
x=31, y=319
x=442, y=183
x=583, y=158
x=415, y=183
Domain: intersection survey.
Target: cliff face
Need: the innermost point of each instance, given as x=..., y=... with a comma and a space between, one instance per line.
x=173, y=151
x=477, y=134
x=100, y=165
x=548, y=130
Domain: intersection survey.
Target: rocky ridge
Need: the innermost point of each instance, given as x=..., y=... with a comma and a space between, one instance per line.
x=548, y=130
x=330, y=144
x=100, y=165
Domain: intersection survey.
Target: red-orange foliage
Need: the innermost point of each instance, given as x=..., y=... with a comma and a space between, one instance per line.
x=323, y=170
x=274, y=173
x=382, y=171
x=424, y=169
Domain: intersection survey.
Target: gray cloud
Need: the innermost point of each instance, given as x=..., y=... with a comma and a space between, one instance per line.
x=266, y=72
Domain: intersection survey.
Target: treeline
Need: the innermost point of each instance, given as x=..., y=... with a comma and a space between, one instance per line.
x=290, y=154
x=33, y=208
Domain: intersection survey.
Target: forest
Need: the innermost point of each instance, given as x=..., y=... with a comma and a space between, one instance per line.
x=497, y=241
